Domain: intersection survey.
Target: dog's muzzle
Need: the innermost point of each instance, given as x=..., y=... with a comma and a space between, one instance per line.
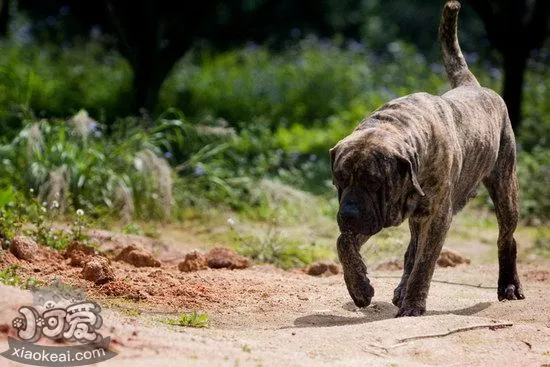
x=352, y=219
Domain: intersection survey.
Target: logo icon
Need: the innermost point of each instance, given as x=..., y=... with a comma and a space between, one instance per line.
x=59, y=313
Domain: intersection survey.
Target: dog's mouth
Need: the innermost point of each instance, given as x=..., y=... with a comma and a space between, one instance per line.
x=364, y=225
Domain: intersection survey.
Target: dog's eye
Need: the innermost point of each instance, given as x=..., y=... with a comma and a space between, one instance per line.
x=340, y=179
x=374, y=186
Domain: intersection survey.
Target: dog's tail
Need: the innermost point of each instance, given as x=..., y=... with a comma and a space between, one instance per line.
x=455, y=64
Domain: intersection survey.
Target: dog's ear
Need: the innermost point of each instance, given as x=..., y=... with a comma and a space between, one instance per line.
x=332, y=152
x=412, y=170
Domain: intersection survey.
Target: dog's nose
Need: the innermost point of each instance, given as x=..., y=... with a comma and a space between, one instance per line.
x=349, y=211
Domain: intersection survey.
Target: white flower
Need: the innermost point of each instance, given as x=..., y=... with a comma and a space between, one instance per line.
x=80, y=212
x=31, y=190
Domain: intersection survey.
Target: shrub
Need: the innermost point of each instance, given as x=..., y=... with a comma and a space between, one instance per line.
x=53, y=81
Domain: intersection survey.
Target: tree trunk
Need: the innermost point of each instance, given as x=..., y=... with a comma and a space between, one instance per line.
x=515, y=63
x=151, y=71
x=147, y=82
x=4, y=17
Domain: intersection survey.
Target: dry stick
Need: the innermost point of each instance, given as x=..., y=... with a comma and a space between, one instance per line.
x=452, y=331
x=404, y=341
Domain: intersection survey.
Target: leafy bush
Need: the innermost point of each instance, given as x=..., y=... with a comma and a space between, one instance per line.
x=53, y=81
x=304, y=85
x=534, y=177
x=73, y=164
x=535, y=128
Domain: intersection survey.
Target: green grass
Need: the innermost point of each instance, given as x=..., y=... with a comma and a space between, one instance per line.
x=10, y=276
x=194, y=319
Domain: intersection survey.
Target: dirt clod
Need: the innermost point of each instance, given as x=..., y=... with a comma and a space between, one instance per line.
x=222, y=257
x=538, y=275
x=78, y=253
x=193, y=261
x=323, y=268
x=390, y=265
x=98, y=270
x=451, y=258
x=23, y=247
x=137, y=257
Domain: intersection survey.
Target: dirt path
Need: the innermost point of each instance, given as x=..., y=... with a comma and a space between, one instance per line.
x=268, y=317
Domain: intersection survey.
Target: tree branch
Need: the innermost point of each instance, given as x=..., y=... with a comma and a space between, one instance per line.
x=405, y=341
x=452, y=331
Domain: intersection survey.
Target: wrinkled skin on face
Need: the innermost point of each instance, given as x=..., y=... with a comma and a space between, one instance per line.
x=376, y=185
x=377, y=188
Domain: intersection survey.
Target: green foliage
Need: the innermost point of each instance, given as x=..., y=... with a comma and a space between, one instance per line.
x=55, y=81
x=535, y=128
x=71, y=164
x=274, y=248
x=11, y=217
x=542, y=242
x=252, y=117
x=9, y=276
x=304, y=85
x=534, y=177
x=194, y=319
x=133, y=228
x=29, y=217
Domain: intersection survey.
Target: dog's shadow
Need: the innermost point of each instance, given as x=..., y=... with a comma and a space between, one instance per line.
x=375, y=312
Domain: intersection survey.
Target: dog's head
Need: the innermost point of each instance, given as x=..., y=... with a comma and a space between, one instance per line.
x=376, y=177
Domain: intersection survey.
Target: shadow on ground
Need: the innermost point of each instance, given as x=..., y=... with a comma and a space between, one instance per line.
x=440, y=281
x=375, y=312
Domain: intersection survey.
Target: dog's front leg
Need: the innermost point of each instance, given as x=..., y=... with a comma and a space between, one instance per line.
x=355, y=270
x=432, y=232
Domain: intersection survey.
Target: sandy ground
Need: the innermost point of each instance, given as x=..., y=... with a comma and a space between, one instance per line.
x=263, y=316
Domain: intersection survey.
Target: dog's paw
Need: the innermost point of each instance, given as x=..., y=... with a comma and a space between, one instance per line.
x=511, y=291
x=411, y=311
x=398, y=296
x=359, y=289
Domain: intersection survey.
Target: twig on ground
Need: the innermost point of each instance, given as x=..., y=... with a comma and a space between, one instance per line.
x=405, y=341
x=452, y=331
x=388, y=347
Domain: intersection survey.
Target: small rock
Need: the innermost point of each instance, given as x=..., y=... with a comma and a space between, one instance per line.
x=98, y=271
x=193, y=261
x=23, y=247
x=323, y=268
x=390, y=265
x=137, y=257
x=451, y=258
x=79, y=253
x=222, y=257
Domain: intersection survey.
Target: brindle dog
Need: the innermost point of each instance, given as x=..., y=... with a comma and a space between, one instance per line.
x=423, y=157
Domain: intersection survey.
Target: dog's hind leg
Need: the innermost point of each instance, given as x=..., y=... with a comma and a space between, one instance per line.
x=410, y=254
x=503, y=188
